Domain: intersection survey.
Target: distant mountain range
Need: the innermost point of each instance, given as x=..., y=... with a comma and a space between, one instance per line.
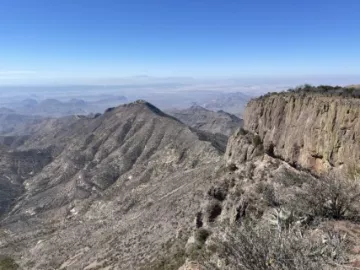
x=203, y=119
x=51, y=102
x=56, y=108
x=213, y=100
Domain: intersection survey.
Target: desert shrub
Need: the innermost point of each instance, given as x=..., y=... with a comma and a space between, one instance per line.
x=201, y=235
x=327, y=90
x=109, y=109
x=219, y=193
x=232, y=167
x=307, y=87
x=172, y=258
x=242, y=131
x=282, y=219
x=262, y=248
x=333, y=196
x=8, y=264
x=268, y=193
x=256, y=140
x=170, y=262
x=213, y=210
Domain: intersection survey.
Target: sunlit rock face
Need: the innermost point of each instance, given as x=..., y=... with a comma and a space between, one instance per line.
x=314, y=131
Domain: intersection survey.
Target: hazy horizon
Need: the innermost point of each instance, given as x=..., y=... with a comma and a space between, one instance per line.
x=146, y=84
x=106, y=42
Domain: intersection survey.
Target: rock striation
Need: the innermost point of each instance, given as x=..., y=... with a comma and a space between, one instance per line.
x=310, y=130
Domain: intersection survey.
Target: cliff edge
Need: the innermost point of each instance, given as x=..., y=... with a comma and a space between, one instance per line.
x=313, y=130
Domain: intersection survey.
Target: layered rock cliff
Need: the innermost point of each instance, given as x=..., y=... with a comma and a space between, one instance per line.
x=310, y=130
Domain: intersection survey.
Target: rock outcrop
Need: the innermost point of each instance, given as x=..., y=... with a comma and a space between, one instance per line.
x=310, y=130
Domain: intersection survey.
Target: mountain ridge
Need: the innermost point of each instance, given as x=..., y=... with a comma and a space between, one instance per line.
x=203, y=119
x=114, y=170
x=135, y=188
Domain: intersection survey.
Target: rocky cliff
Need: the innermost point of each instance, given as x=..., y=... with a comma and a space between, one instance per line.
x=310, y=130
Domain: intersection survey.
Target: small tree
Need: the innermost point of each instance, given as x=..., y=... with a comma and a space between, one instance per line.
x=334, y=196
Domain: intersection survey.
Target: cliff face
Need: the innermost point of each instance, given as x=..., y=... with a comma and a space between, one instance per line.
x=310, y=130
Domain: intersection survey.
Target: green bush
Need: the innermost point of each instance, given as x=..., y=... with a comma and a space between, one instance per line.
x=256, y=140
x=328, y=90
x=201, y=235
x=232, y=167
x=8, y=264
x=242, y=131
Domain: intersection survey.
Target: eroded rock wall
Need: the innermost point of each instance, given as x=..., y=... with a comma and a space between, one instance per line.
x=308, y=130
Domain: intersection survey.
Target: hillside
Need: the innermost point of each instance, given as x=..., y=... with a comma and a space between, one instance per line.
x=135, y=188
x=206, y=120
x=125, y=177
x=11, y=123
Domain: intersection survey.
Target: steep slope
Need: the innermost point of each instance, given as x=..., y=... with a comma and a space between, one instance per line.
x=15, y=167
x=119, y=186
x=203, y=119
x=11, y=123
x=312, y=130
x=260, y=207
x=267, y=209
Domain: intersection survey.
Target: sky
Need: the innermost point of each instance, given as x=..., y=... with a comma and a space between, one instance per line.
x=87, y=40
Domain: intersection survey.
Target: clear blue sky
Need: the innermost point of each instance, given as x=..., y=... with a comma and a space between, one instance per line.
x=199, y=38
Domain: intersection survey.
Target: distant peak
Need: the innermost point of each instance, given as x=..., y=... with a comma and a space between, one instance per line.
x=145, y=104
x=77, y=101
x=149, y=106
x=198, y=107
x=50, y=101
x=141, y=101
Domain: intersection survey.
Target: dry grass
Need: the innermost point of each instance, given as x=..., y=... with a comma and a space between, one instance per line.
x=259, y=247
